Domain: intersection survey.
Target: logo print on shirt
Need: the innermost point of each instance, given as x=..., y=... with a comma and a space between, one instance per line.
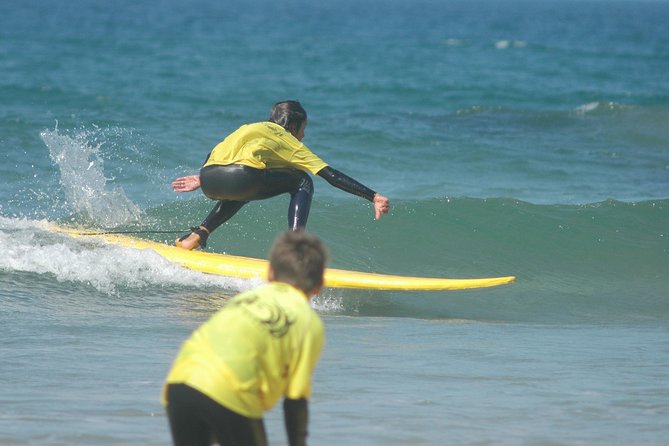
x=269, y=314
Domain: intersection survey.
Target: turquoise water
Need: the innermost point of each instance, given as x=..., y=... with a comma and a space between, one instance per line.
x=513, y=137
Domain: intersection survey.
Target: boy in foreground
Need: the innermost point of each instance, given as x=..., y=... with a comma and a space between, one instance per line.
x=262, y=345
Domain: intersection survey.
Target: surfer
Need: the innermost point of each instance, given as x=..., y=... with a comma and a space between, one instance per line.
x=262, y=345
x=263, y=160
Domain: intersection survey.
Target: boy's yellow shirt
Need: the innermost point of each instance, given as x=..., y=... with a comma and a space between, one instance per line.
x=262, y=345
x=264, y=145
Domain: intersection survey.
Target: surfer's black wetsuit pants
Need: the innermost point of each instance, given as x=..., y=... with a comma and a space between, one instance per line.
x=235, y=185
x=196, y=420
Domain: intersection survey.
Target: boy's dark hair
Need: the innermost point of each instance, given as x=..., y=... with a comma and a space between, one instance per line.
x=288, y=114
x=299, y=258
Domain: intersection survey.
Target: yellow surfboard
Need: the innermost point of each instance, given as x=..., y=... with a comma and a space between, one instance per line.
x=247, y=268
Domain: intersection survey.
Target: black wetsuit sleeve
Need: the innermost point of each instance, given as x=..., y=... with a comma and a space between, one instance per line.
x=346, y=183
x=296, y=418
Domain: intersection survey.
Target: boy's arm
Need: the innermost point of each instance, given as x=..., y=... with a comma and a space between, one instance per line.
x=296, y=418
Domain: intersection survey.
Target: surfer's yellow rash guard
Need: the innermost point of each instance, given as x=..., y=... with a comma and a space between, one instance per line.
x=262, y=345
x=264, y=145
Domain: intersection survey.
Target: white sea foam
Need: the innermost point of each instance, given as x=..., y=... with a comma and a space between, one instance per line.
x=328, y=301
x=453, y=42
x=586, y=108
x=505, y=44
x=600, y=106
x=31, y=247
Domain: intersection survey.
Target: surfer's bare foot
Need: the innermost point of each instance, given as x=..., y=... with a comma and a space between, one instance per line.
x=197, y=237
x=190, y=242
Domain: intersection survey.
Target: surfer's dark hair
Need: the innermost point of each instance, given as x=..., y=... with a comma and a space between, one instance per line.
x=288, y=114
x=299, y=258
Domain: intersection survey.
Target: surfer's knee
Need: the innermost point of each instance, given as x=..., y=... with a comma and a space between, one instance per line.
x=305, y=184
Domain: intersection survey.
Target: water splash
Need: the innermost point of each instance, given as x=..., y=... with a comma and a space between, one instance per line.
x=78, y=157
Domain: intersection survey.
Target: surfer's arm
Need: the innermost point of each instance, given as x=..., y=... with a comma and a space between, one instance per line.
x=296, y=418
x=186, y=184
x=344, y=182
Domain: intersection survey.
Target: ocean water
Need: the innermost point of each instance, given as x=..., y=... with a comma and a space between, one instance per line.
x=514, y=137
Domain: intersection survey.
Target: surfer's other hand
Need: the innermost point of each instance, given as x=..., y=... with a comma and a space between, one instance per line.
x=381, y=205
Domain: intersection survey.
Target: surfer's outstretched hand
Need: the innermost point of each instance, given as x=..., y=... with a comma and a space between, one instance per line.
x=186, y=184
x=381, y=205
